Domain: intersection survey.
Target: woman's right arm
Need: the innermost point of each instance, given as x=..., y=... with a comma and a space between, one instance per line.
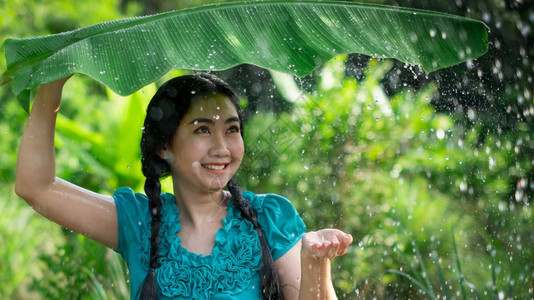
x=80, y=210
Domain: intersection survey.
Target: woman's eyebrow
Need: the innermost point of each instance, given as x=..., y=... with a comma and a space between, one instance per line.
x=232, y=120
x=211, y=121
x=202, y=120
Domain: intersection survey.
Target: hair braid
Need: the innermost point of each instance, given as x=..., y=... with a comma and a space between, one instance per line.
x=149, y=288
x=270, y=283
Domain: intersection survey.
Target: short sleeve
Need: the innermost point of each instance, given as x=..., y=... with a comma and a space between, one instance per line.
x=279, y=221
x=131, y=211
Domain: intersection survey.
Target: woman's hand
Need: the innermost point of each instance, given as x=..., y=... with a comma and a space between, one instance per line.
x=325, y=243
x=60, y=82
x=49, y=94
x=318, y=248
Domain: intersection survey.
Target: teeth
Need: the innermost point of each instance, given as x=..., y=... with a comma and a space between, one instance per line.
x=214, y=167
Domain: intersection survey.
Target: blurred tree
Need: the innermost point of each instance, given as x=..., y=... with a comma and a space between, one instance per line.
x=492, y=102
x=400, y=177
x=492, y=95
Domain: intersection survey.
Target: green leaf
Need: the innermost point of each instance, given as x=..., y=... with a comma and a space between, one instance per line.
x=419, y=284
x=291, y=37
x=459, y=265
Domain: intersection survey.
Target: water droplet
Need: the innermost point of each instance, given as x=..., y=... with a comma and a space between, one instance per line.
x=469, y=64
x=519, y=195
x=463, y=186
x=486, y=17
x=440, y=133
x=471, y=114
x=413, y=37
x=491, y=163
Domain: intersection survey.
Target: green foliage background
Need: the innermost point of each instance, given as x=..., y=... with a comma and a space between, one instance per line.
x=435, y=209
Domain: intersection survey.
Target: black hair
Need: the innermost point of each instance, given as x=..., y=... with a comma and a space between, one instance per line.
x=164, y=113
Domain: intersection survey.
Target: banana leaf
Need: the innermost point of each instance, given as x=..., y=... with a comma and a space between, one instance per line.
x=292, y=37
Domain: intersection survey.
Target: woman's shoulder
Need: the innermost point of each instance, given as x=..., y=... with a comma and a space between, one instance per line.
x=131, y=204
x=271, y=206
x=128, y=194
x=269, y=201
x=282, y=225
x=127, y=197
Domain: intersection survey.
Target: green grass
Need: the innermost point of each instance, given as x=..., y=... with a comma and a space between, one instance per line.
x=24, y=236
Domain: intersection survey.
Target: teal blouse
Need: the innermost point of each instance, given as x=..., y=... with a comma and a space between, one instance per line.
x=232, y=271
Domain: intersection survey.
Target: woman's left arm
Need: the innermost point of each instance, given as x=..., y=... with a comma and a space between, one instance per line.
x=304, y=270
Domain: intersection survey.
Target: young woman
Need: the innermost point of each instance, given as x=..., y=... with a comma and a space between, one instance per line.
x=206, y=240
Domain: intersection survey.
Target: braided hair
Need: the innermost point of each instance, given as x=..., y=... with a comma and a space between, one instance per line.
x=164, y=113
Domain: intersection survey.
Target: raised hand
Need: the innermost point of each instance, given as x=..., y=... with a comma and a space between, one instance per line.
x=325, y=243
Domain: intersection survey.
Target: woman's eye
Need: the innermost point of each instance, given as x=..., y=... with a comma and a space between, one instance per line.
x=202, y=130
x=233, y=129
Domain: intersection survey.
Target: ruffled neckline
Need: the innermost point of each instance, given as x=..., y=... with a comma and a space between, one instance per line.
x=172, y=218
x=234, y=260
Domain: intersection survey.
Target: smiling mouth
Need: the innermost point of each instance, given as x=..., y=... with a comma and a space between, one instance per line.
x=214, y=167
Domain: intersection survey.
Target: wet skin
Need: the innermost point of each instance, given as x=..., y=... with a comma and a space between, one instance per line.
x=207, y=148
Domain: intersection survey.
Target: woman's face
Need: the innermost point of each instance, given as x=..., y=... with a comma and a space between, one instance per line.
x=207, y=148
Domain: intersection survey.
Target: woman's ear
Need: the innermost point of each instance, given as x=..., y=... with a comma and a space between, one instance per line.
x=165, y=154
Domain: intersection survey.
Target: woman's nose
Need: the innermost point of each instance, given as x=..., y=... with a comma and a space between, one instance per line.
x=219, y=146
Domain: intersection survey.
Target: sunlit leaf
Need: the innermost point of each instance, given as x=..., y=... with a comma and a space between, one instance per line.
x=292, y=37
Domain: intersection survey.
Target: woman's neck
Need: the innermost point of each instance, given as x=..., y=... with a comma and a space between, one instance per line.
x=199, y=209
